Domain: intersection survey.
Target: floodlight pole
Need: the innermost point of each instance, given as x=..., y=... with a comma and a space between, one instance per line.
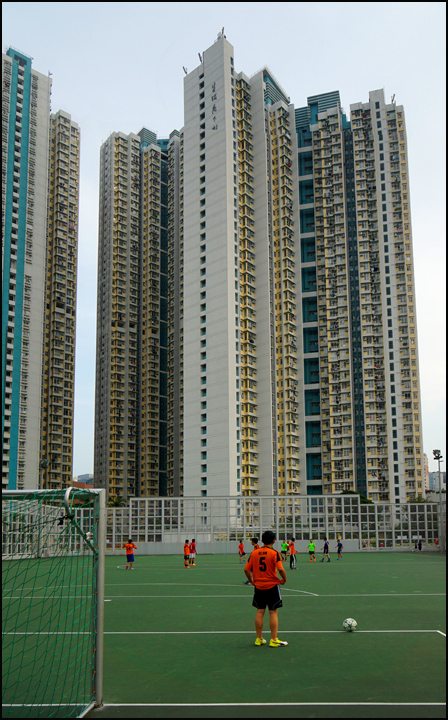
x=438, y=456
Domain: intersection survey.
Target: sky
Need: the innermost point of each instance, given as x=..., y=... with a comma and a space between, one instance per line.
x=119, y=67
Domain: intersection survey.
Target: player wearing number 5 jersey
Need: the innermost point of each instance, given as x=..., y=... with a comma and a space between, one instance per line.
x=261, y=571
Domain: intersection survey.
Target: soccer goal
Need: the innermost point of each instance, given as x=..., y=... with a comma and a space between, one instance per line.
x=53, y=602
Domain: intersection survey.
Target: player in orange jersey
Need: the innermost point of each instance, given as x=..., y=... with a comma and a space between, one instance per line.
x=256, y=546
x=192, y=552
x=129, y=553
x=261, y=571
x=186, y=554
x=241, y=551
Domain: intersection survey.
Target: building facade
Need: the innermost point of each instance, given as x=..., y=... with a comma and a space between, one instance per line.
x=434, y=483
x=31, y=164
x=425, y=472
x=367, y=401
x=135, y=389
x=60, y=310
x=323, y=393
x=288, y=323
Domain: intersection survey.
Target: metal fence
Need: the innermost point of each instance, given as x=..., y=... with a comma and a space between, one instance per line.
x=218, y=524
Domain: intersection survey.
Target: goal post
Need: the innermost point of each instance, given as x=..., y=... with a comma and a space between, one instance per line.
x=53, y=547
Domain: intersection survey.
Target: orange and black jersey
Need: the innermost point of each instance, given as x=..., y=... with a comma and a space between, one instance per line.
x=130, y=548
x=263, y=564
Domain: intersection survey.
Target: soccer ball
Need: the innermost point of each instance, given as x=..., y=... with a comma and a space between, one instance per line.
x=349, y=624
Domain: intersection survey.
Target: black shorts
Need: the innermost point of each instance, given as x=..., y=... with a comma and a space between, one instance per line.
x=271, y=598
x=311, y=552
x=325, y=551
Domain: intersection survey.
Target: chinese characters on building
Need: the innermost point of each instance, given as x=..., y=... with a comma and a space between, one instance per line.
x=214, y=98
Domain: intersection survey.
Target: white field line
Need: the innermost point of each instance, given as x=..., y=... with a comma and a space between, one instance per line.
x=211, y=597
x=149, y=569
x=151, y=584
x=221, y=632
x=279, y=704
x=303, y=561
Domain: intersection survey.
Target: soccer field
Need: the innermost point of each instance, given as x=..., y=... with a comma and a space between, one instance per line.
x=180, y=643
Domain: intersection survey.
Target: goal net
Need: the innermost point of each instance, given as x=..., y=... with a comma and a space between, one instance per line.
x=53, y=602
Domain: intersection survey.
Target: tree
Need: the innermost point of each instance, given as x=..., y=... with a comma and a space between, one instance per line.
x=362, y=498
x=115, y=501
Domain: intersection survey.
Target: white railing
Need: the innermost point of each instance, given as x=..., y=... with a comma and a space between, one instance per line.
x=161, y=525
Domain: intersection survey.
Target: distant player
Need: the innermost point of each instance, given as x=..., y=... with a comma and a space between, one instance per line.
x=261, y=571
x=311, y=549
x=256, y=546
x=129, y=553
x=326, y=550
x=339, y=547
x=186, y=554
x=192, y=552
x=241, y=551
x=419, y=546
x=292, y=554
x=284, y=551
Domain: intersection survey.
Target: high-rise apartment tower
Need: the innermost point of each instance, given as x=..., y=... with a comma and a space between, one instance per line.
x=300, y=358
x=135, y=424
x=288, y=327
x=39, y=234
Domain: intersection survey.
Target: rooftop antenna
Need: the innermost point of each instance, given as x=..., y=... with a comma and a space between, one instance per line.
x=393, y=97
x=185, y=70
x=200, y=57
x=222, y=32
